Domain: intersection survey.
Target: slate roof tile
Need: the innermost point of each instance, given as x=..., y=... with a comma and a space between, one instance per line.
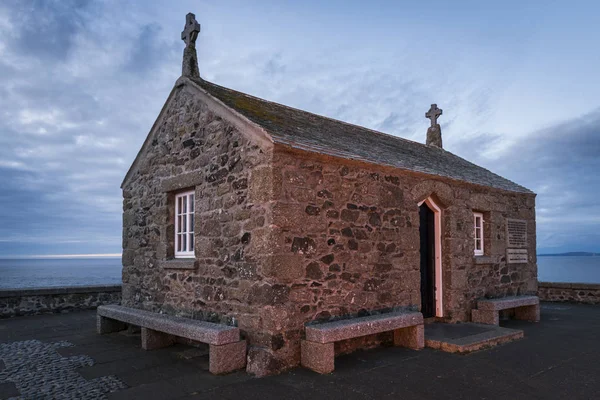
x=311, y=132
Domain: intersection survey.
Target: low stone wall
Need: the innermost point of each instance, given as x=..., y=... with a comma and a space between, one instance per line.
x=30, y=301
x=587, y=293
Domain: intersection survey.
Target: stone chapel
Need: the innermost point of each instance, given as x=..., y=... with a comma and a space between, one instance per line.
x=249, y=213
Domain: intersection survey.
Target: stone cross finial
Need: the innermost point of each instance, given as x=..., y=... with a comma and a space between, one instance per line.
x=434, y=132
x=191, y=30
x=189, y=35
x=433, y=114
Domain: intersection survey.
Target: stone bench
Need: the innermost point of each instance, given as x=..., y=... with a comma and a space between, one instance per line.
x=317, y=350
x=226, y=351
x=526, y=308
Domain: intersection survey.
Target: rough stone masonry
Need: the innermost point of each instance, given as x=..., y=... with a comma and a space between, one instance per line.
x=300, y=218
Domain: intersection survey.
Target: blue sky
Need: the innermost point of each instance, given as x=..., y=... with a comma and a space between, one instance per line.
x=81, y=83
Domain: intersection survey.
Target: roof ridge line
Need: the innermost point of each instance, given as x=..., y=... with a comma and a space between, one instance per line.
x=322, y=116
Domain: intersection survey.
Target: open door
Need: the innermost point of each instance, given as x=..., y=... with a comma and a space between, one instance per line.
x=427, y=232
x=430, y=251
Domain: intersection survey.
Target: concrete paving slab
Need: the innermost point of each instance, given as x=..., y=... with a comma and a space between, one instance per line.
x=557, y=359
x=467, y=337
x=153, y=391
x=8, y=390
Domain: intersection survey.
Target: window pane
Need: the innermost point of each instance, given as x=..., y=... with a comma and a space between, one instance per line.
x=178, y=242
x=478, y=233
x=178, y=206
x=184, y=203
x=191, y=241
x=183, y=242
x=191, y=197
x=187, y=221
x=478, y=244
x=191, y=222
x=477, y=222
x=184, y=223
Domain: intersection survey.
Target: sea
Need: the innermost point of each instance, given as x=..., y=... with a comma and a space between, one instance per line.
x=52, y=272
x=26, y=273
x=574, y=269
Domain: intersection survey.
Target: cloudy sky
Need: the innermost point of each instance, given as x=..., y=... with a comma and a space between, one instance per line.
x=81, y=83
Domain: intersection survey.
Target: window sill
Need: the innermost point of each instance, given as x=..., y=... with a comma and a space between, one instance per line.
x=179, y=263
x=483, y=260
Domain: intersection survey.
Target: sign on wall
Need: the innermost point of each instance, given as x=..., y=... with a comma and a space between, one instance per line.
x=516, y=256
x=516, y=241
x=516, y=233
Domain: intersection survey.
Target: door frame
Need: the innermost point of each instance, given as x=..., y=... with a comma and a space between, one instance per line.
x=439, y=288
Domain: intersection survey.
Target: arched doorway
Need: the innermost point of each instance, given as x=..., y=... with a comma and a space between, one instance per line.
x=431, y=258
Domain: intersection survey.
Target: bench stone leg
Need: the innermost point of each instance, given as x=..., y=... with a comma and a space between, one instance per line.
x=108, y=325
x=152, y=339
x=412, y=337
x=320, y=357
x=528, y=313
x=485, y=317
x=227, y=358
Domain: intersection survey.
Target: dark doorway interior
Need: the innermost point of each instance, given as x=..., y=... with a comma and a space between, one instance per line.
x=427, y=232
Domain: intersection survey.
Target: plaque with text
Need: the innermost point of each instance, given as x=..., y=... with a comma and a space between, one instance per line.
x=516, y=233
x=516, y=256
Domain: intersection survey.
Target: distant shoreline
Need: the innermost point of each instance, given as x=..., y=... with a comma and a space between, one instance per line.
x=60, y=257
x=571, y=254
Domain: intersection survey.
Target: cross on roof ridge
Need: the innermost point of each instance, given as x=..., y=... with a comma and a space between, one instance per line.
x=433, y=114
x=191, y=30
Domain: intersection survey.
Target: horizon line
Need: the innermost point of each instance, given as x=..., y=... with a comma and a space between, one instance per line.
x=100, y=255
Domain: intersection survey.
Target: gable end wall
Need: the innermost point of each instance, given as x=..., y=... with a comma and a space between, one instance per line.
x=195, y=148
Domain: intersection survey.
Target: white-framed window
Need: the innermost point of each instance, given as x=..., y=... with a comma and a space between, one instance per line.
x=184, y=225
x=478, y=234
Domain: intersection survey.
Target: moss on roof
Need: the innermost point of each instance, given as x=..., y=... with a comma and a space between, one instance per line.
x=324, y=135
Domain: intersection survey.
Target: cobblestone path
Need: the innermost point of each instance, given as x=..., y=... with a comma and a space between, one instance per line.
x=39, y=372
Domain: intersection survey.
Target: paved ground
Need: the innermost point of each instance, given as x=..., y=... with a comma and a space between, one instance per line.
x=559, y=358
x=468, y=337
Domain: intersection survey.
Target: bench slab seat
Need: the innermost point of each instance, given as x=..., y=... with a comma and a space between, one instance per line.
x=227, y=352
x=317, y=350
x=526, y=308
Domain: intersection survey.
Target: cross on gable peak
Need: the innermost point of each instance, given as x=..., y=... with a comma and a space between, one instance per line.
x=191, y=30
x=433, y=114
x=189, y=67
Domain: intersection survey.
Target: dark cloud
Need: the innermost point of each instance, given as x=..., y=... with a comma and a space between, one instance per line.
x=36, y=220
x=561, y=164
x=148, y=50
x=47, y=28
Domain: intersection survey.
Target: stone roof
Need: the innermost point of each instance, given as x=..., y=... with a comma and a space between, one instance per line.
x=315, y=133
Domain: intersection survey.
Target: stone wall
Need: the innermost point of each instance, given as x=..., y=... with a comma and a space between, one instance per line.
x=587, y=293
x=31, y=301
